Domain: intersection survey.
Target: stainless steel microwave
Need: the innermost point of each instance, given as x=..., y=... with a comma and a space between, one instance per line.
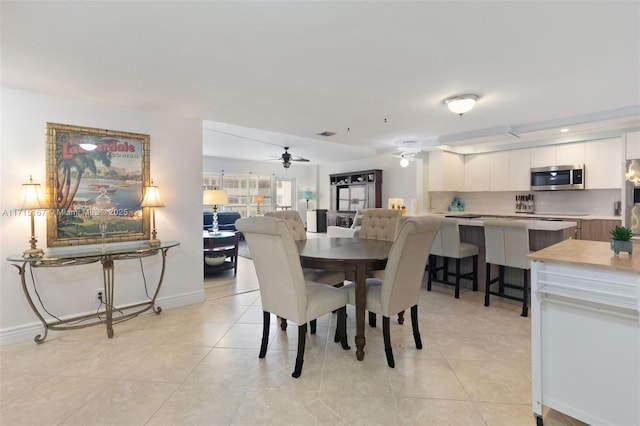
x=557, y=178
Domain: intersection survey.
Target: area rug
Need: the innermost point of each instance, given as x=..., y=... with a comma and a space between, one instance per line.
x=243, y=250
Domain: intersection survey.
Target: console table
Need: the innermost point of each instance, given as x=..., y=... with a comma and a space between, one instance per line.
x=83, y=256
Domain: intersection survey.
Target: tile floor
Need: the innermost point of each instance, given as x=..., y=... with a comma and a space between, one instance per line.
x=198, y=365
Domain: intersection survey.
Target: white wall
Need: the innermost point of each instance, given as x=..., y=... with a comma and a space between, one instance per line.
x=176, y=158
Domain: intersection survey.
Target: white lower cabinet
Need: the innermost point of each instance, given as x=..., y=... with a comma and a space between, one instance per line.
x=585, y=343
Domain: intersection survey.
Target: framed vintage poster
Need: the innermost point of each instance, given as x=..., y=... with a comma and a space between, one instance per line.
x=95, y=185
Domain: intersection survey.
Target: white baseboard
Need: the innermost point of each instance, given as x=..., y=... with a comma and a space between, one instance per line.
x=26, y=332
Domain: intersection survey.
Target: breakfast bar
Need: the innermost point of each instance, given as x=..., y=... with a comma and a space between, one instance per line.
x=585, y=331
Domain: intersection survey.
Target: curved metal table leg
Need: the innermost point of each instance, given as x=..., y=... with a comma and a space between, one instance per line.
x=21, y=271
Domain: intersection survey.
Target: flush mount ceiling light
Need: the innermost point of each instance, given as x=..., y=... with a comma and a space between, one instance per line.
x=461, y=104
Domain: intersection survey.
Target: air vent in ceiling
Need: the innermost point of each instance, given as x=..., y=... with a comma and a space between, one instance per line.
x=326, y=133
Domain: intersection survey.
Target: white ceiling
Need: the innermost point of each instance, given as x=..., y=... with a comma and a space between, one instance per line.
x=264, y=75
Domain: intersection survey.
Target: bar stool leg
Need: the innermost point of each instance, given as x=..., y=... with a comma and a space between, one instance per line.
x=487, y=287
x=475, y=273
x=501, y=280
x=525, y=308
x=457, y=291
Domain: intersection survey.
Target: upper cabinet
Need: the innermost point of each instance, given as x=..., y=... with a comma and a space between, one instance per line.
x=558, y=155
x=477, y=175
x=520, y=170
x=603, y=164
x=632, y=143
x=446, y=171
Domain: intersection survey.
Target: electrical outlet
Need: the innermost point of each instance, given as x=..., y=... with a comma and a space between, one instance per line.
x=99, y=294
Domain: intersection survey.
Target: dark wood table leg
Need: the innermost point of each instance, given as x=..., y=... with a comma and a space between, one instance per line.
x=361, y=303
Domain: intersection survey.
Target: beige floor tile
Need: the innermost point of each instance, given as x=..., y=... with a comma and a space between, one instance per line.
x=199, y=364
x=493, y=381
x=435, y=412
x=123, y=403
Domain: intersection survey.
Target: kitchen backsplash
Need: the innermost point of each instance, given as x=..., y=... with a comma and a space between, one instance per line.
x=595, y=201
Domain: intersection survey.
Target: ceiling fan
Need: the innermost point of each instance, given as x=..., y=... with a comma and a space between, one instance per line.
x=288, y=158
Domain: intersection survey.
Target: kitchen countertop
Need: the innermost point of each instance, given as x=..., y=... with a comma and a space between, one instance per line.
x=533, y=225
x=589, y=253
x=575, y=216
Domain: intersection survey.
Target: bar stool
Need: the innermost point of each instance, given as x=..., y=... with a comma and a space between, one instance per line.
x=448, y=245
x=507, y=245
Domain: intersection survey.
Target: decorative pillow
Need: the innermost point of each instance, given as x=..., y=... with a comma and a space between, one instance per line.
x=357, y=220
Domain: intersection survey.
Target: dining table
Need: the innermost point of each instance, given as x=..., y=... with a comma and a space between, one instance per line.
x=350, y=255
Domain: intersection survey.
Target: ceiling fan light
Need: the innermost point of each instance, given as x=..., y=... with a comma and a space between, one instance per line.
x=461, y=104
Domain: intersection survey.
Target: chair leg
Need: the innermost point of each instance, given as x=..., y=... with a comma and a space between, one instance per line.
x=387, y=342
x=341, y=328
x=401, y=317
x=283, y=323
x=487, y=287
x=302, y=338
x=266, y=319
x=414, y=325
x=431, y=271
x=501, y=269
x=525, y=308
x=457, y=290
x=313, y=326
x=372, y=319
x=475, y=273
x=445, y=269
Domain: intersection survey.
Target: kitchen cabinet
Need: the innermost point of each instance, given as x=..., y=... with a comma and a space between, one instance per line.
x=632, y=143
x=543, y=156
x=571, y=153
x=603, y=164
x=499, y=171
x=477, y=175
x=558, y=155
x=598, y=229
x=520, y=170
x=446, y=171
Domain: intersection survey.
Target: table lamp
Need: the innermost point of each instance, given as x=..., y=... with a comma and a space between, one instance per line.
x=258, y=199
x=33, y=198
x=215, y=198
x=152, y=200
x=308, y=195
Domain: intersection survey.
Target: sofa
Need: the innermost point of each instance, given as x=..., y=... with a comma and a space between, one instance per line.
x=226, y=221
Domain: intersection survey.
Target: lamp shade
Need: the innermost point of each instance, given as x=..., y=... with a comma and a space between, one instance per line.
x=214, y=197
x=32, y=196
x=152, y=197
x=258, y=199
x=308, y=195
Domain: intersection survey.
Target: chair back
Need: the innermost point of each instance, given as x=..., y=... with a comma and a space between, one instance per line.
x=406, y=263
x=379, y=224
x=294, y=221
x=507, y=243
x=277, y=263
x=447, y=241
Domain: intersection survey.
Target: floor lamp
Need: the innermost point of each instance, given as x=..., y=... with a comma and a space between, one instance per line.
x=215, y=198
x=308, y=195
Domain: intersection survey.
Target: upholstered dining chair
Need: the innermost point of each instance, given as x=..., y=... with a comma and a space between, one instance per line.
x=380, y=224
x=507, y=245
x=283, y=288
x=296, y=225
x=400, y=287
